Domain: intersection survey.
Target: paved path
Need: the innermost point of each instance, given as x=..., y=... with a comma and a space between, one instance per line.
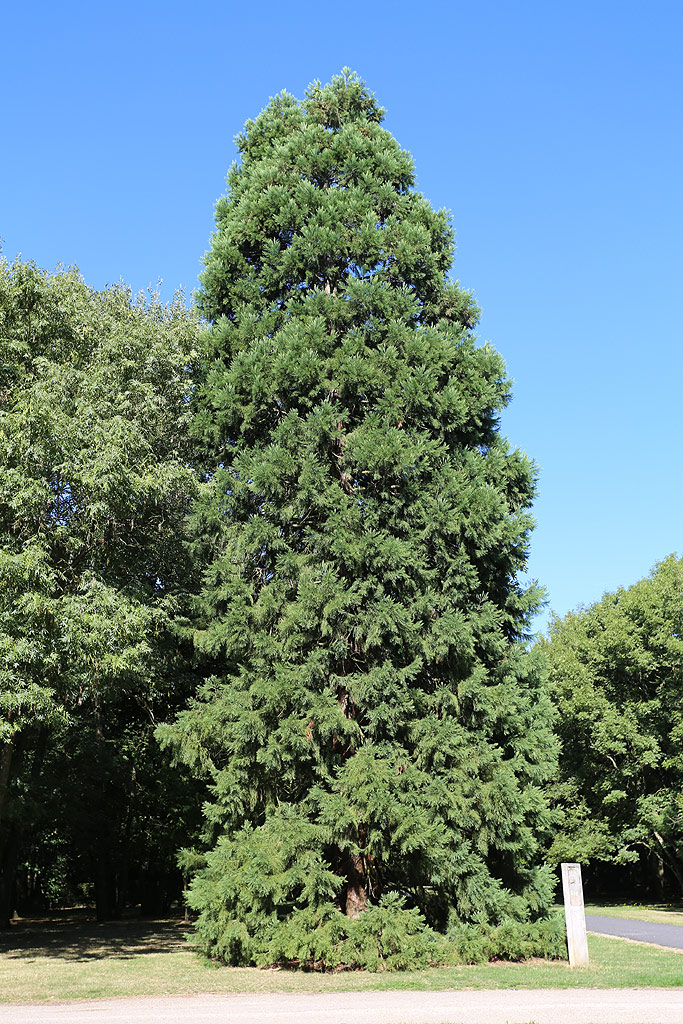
x=552, y=1006
x=642, y=931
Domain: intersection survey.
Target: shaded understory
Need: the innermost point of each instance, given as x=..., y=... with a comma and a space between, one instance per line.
x=75, y=935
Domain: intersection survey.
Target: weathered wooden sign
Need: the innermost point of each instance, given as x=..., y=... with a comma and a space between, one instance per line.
x=574, y=915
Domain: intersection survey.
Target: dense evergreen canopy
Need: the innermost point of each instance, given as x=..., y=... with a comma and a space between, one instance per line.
x=372, y=726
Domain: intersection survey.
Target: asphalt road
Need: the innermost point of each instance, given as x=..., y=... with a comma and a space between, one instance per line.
x=550, y=1006
x=642, y=931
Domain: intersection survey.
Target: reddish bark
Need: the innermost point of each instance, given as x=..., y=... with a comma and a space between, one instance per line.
x=356, y=891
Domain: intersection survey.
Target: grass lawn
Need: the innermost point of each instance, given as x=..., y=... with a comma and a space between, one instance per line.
x=655, y=913
x=68, y=958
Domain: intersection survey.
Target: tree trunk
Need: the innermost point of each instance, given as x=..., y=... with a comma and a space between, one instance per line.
x=105, y=887
x=6, y=752
x=356, y=891
x=122, y=885
x=14, y=831
x=103, y=884
x=657, y=873
x=670, y=861
x=8, y=870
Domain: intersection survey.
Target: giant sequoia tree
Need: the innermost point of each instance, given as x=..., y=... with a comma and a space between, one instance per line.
x=373, y=728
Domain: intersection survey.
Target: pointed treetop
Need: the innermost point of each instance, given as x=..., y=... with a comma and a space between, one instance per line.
x=346, y=98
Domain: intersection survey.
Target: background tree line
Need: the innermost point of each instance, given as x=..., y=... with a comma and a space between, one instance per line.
x=95, y=487
x=616, y=679
x=261, y=589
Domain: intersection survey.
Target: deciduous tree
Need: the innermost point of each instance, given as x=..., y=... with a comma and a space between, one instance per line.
x=95, y=484
x=616, y=673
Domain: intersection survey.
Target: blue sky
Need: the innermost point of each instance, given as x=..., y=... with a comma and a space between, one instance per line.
x=552, y=131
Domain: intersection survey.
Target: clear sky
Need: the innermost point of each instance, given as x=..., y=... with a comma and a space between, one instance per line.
x=551, y=130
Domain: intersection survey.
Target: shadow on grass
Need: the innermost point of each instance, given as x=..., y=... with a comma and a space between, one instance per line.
x=76, y=935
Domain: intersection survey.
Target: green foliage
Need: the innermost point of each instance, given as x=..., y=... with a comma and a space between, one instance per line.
x=267, y=898
x=365, y=526
x=95, y=486
x=616, y=671
x=510, y=940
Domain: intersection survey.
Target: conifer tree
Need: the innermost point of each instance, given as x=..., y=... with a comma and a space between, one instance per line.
x=375, y=732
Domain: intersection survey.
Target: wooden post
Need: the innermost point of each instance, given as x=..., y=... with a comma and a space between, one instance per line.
x=574, y=915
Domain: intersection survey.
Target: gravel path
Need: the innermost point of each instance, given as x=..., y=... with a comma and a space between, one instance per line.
x=642, y=931
x=550, y=1006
